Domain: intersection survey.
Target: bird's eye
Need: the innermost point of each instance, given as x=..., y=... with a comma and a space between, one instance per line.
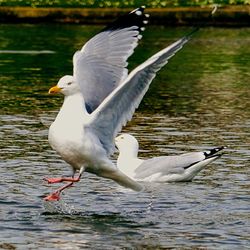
x=69, y=83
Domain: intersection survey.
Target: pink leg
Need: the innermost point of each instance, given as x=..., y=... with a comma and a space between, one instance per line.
x=55, y=196
x=62, y=179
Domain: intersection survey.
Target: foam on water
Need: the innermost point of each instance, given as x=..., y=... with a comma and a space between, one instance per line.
x=59, y=207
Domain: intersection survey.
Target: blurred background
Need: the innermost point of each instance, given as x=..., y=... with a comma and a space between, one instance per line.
x=171, y=12
x=120, y=4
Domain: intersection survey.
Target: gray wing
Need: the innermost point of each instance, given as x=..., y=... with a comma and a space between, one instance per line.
x=101, y=64
x=118, y=108
x=167, y=165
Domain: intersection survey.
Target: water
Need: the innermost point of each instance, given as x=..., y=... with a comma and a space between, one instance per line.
x=200, y=100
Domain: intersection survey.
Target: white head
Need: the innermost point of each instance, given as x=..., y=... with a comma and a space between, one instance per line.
x=66, y=85
x=127, y=143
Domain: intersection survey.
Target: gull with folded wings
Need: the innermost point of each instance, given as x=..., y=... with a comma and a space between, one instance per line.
x=174, y=168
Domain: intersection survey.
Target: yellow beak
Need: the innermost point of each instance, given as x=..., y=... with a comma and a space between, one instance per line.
x=54, y=90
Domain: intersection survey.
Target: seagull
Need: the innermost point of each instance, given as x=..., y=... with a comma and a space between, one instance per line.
x=100, y=98
x=175, y=168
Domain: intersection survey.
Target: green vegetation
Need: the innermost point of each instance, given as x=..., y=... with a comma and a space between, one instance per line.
x=119, y=4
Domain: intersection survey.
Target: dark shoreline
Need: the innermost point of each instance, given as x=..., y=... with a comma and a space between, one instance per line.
x=232, y=16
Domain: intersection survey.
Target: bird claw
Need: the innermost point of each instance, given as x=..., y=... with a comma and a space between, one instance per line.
x=53, y=197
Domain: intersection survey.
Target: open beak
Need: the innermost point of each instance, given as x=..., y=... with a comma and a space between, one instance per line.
x=54, y=90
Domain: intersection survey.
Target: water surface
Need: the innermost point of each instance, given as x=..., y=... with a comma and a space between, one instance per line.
x=200, y=100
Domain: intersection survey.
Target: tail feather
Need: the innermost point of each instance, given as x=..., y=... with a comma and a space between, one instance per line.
x=122, y=179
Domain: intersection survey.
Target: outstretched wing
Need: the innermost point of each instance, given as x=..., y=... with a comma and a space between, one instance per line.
x=101, y=64
x=118, y=108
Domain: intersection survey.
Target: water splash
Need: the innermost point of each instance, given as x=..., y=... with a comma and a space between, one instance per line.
x=59, y=207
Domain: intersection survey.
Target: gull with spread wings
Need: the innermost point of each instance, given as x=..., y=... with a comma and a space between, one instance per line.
x=100, y=98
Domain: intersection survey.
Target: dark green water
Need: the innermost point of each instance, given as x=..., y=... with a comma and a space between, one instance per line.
x=199, y=100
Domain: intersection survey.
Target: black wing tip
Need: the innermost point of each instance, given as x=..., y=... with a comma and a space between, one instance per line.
x=214, y=152
x=136, y=18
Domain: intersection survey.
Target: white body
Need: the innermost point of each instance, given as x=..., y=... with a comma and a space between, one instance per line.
x=79, y=147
